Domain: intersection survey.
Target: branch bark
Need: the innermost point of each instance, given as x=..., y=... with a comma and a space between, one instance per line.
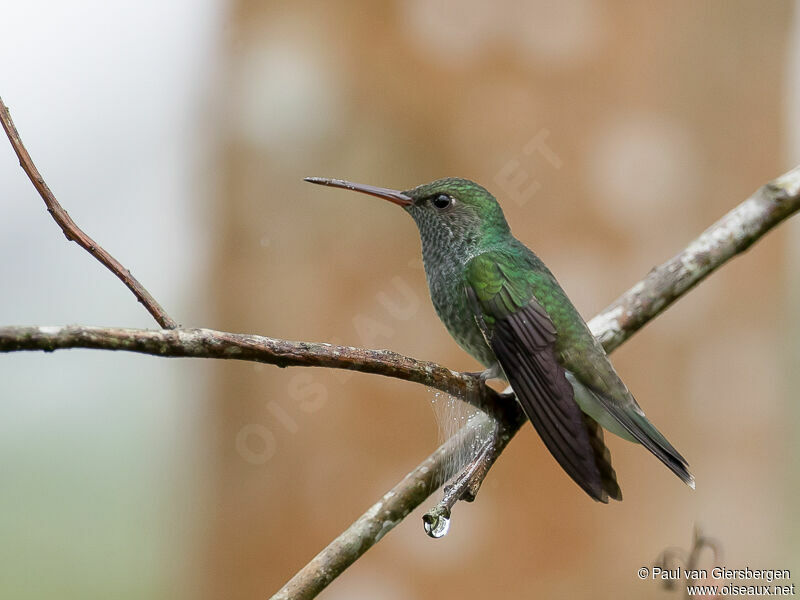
x=207, y=343
x=382, y=516
x=74, y=233
x=734, y=233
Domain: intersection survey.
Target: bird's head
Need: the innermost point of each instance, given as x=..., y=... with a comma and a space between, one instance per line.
x=452, y=209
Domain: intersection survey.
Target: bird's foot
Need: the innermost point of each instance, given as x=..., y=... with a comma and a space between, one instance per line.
x=494, y=435
x=492, y=372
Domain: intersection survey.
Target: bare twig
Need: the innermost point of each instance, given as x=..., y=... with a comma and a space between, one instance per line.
x=392, y=508
x=677, y=558
x=207, y=343
x=465, y=487
x=732, y=234
x=72, y=232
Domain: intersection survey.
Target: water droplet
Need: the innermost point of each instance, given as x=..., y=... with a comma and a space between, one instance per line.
x=437, y=523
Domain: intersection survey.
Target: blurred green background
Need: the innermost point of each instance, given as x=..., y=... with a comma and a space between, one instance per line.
x=177, y=134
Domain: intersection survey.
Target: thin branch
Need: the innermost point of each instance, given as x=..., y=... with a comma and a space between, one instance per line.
x=382, y=517
x=72, y=232
x=731, y=235
x=207, y=343
x=676, y=558
x=465, y=487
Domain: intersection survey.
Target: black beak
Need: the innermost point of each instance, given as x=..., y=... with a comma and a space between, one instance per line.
x=398, y=198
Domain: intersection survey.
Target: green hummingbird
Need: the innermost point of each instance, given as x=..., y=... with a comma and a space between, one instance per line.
x=504, y=307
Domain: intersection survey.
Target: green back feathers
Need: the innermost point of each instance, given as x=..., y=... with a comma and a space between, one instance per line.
x=501, y=287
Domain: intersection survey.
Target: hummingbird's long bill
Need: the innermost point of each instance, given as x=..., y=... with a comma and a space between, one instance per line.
x=398, y=198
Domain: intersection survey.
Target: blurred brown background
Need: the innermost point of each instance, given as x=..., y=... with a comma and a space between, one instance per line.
x=656, y=119
x=612, y=133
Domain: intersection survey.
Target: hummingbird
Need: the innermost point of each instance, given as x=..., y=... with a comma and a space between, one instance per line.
x=503, y=306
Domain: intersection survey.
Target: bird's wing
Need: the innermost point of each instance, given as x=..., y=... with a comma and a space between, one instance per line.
x=523, y=337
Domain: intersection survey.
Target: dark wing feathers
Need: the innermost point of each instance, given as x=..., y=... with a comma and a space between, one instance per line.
x=524, y=345
x=524, y=340
x=603, y=458
x=523, y=337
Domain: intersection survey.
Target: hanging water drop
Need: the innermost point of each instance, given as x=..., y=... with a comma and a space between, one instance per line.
x=437, y=523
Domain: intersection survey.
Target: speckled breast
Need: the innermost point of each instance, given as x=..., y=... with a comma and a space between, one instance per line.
x=446, y=284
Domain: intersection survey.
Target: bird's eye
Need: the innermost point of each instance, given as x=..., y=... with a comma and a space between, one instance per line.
x=442, y=201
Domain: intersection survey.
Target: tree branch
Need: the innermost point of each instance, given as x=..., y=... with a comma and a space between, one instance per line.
x=382, y=517
x=72, y=232
x=207, y=343
x=488, y=433
x=731, y=235
x=465, y=487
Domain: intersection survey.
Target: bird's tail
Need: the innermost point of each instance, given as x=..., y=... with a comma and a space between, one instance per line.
x=651, y=438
